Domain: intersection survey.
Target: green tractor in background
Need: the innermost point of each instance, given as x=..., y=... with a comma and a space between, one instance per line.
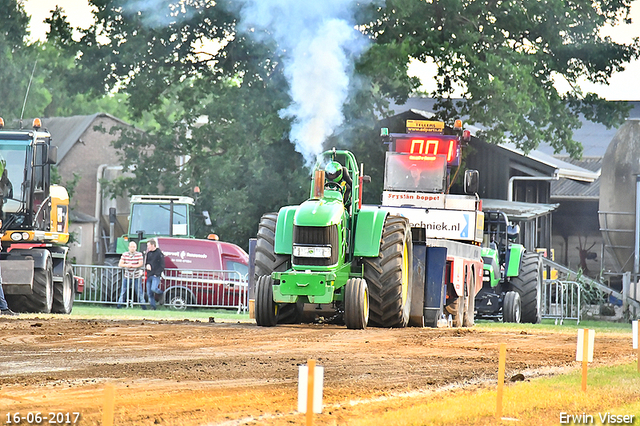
x=512, y=277
x=331, y=257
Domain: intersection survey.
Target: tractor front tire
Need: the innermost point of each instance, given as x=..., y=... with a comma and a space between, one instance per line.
x=266, y=309
x=356, y=304
x=267, y=261
x=511, y=307
x=529, y=284
x=63, y=293
x=389, y=275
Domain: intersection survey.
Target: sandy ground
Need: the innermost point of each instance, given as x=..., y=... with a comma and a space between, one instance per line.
x=197, y=373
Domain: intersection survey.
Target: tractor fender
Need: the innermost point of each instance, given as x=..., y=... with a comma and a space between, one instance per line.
x=39, y=256
x=513, y=259
x=283, y=243
x=369, y=224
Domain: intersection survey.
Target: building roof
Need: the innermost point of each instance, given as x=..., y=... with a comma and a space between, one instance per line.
x=517, y=210
x=569, y=189
x=66, y=131
x=564, y=169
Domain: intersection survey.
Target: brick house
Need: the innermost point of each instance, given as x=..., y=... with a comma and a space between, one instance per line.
x=85, y=148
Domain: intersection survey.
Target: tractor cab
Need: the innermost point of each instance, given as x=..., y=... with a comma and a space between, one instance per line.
x=336, y=177
x=153, y=216
x=28, y=197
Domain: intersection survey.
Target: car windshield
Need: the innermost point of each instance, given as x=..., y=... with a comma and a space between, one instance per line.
x=153, y=219
x=12, y=181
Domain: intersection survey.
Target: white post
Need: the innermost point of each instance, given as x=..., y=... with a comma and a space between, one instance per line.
x=303, y=384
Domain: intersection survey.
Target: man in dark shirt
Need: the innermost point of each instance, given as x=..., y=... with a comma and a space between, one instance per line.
x=154, y=266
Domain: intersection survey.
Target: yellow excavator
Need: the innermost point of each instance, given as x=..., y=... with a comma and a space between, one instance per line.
x=37, y=275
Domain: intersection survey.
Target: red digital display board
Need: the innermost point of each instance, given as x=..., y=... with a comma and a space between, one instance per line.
x=431, y=145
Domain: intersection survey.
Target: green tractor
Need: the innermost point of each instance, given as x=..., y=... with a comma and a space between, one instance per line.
x=331, y=257
x=512, y=277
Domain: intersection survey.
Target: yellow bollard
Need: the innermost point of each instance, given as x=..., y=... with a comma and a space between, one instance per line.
x=109, y=403
x=636, y=326
x=501, y=368
x=311, y=365
x=585, y=360
x=584, y=351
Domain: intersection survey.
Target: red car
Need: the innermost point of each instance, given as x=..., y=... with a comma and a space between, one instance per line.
x=204, y=273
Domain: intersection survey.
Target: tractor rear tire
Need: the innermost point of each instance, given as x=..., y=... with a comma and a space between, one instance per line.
x=266, y=309
x=511, y=307
x=356, y=304
x=267, y=261
x=389, y=275
x=63, y=293
x=111, y=281
x=529, y=284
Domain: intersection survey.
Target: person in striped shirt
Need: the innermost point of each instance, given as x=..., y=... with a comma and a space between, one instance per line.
x=132, y=263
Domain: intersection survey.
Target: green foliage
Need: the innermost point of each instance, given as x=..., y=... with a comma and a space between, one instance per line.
x=504, y=57
x=172, y=65
x=589, y=293
x=42, y=76
x=17, y=61
x=242, y=166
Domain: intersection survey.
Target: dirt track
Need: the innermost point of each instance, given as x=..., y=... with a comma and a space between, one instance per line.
x=193, y=373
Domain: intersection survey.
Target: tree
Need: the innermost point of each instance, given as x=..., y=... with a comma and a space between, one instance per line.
x=181, y=61
x=505, y=56
x=17, y=62
x=41, y=76
x=240, y=158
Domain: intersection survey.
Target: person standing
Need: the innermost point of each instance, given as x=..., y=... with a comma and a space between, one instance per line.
x=4, y=308
x=132, y=262
x=154, y=266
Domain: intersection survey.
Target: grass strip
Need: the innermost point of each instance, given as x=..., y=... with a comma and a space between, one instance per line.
x=557, y=400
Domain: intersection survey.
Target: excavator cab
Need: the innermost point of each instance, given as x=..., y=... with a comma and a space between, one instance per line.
x=37, y=276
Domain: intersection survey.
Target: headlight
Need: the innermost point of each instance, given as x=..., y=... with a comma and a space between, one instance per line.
x=312, y=251
x=19, y=236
